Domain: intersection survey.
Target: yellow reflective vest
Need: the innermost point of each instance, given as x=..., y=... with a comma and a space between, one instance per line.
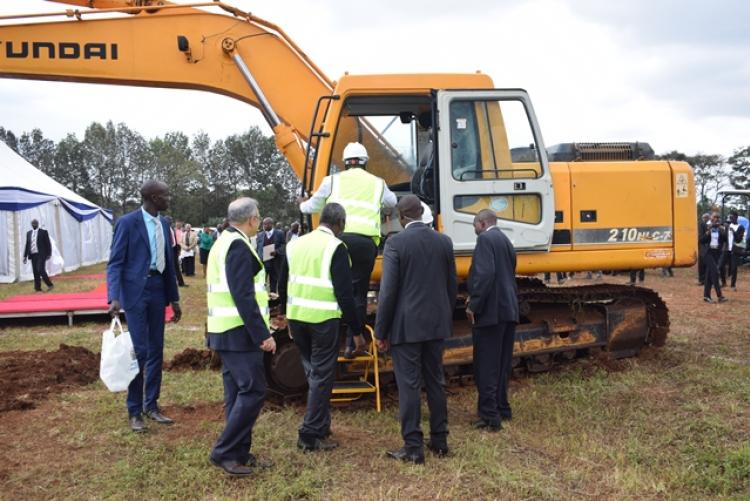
x=360, y=193
x=222, y=312
x=310, y=294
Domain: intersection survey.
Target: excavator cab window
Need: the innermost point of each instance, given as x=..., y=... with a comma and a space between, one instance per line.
x=388, y=126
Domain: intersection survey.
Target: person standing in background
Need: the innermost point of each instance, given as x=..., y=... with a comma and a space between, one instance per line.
x=205, y=242
x=714, y=239
x=275, y=237
x=39, y=250
x=293, y=232
x=732, y=250
x=189, y=243
x=175, y=246
x=702, y=248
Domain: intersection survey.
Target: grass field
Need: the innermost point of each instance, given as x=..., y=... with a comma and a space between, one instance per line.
x=673, y=423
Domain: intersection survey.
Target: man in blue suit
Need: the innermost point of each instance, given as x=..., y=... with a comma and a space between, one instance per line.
x=275, y=237
x=141, y=280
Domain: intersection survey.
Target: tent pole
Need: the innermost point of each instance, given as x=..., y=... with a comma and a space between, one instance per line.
x=16, y=248
x=60, y=244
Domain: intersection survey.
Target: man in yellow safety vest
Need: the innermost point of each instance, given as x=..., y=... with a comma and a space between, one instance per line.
x=315, y=287
x=238, y=330
x=362, y=195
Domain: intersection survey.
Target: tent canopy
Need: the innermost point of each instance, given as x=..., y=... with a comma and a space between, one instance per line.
x=23, y=186
x=81, y=231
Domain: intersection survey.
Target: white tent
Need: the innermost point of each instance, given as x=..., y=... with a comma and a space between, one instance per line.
x=81, y=232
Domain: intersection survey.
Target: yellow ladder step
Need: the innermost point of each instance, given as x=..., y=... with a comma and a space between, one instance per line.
x=340, y=387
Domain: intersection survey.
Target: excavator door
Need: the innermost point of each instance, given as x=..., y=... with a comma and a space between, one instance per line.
x=491, y=156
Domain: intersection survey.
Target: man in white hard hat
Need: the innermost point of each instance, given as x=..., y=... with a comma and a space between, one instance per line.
x=362, y=195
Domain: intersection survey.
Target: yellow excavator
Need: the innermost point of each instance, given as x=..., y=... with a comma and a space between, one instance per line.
x=454, y=140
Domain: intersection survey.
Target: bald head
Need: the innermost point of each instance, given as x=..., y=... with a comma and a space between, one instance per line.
x=409, y=209
x=155, y=195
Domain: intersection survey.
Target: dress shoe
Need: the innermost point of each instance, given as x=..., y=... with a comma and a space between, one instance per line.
x=136, y=423
x=160, y=418
x=403, y=455
x=232, y=468
x=440, y=450
x=318, y=444
x=254, y=462
x=481, y=424
x=348, y=352
x=50, y=287
x=707, y=299
x=722, y=299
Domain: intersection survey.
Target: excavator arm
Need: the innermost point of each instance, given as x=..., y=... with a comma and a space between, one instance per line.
x=177, y=46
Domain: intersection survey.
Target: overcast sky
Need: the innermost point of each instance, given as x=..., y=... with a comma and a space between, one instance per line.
x=674, y=73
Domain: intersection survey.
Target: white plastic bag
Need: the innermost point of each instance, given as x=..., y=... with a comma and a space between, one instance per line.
x=119, y=364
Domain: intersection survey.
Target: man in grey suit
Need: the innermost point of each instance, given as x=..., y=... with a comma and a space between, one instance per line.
x=415, y=314
x=493, y=311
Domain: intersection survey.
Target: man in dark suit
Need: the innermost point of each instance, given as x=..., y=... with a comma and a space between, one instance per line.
x=702, y=248
x=493, y=311
x=141, y=280
x=415, y=314
x=237, y=328
x=714, y=238
x=733, y=250
x=39, y=250
x=275, y=237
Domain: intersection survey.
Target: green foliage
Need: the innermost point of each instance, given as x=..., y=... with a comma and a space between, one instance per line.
x=111, y=162
x=740, y=162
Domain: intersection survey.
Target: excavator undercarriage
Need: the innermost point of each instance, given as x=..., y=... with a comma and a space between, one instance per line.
x=557, y=324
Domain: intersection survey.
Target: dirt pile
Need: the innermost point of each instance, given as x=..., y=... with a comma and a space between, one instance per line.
x=191, y=359
x=27, y=377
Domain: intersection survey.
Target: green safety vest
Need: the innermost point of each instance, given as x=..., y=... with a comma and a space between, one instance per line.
x=310, y=295
x=360, y=193
x=222, y=312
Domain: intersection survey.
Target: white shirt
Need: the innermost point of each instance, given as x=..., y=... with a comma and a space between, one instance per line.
x=730, y=236
x=714, y=238
x=318, y=200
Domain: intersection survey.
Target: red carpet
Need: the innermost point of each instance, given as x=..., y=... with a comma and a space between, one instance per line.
x=63, y=304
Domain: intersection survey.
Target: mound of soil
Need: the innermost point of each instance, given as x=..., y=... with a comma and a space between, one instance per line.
x=191, y=359
x=27, y=377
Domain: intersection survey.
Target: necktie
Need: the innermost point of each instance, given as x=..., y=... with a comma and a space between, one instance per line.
x=159, y=245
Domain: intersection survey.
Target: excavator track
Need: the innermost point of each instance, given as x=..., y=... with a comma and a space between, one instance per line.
x=557, y=324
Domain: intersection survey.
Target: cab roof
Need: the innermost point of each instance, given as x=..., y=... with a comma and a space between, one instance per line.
x=420, y=83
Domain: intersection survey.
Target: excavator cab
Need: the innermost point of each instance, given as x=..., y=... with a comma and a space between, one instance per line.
x=467, y=163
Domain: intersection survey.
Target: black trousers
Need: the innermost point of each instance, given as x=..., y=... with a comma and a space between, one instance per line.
x=362, y=252
x=560, y=276
x=318, y=347
x=244, y=393
x=701, y=265
x=39, y=269
x=415, y=364
x=188, y=266
x=273, y=267
x=178, y=271
x=729, y=259
x=640, y=274
x=711, y=259
x=493, y=357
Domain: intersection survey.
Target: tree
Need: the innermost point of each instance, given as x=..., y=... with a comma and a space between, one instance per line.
x=740, y=163
x=711, y=176
x=38, y=150
x=9, y=138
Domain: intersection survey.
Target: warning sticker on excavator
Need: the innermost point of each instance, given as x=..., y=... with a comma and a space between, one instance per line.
x=681, y=185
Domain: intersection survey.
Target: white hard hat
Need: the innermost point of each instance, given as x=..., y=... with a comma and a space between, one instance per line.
x=355, y=154
x=427, y=214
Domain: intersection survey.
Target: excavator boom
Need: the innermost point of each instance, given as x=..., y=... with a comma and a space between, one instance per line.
x=177, y=46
